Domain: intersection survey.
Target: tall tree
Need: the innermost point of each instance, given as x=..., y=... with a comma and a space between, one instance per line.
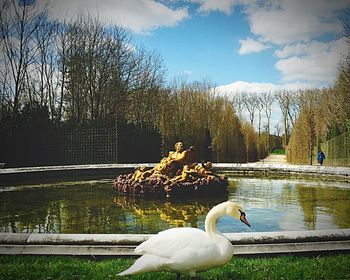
x=267, y=100
x=238, y=103
x=18, y=23
x=250, y=101
x=106, y=76
x=284, y=101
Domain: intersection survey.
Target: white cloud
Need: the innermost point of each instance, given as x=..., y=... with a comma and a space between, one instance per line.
x=230, y=90
x=251, y=46
x=314, y=61
x=240, y=86
x=224, y=6
x=294, y=27
x=302, y=49
x=139, y=15
x=285, y=21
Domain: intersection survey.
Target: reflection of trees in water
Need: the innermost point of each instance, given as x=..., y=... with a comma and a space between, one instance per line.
x=175, y=212
x=314, y=199
x=89, y=208
x=22, y=212
x=333, y=202
x=74, y=209
x=287, y=196
x=254, y=192
x=308, y=202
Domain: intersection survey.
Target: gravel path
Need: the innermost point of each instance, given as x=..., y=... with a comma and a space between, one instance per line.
x=274, y=159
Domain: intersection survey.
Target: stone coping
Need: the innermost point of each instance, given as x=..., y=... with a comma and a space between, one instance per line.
x=335, y=170
x=135, y=239
x=257, y=243
x=285, y=168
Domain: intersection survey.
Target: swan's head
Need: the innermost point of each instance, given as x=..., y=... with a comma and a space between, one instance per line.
x=234, y=210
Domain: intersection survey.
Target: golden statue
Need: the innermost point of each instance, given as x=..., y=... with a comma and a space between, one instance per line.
x=168, y=166
x=176, y=173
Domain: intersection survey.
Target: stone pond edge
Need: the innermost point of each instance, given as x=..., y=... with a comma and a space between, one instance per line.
x=313, y=242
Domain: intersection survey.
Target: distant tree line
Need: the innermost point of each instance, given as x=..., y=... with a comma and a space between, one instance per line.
x=85, y=73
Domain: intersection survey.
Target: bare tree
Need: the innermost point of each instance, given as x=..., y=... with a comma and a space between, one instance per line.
x=294, y=107
x=267, y=99
x=251, y=103
x=309, y=103
x=277, y=129
x=238, y=103
x=144, y=97
x=106, y=77
x=18, y=23
x=43, y=75
x=284, y=101
x=260, y=108
x=62, y=48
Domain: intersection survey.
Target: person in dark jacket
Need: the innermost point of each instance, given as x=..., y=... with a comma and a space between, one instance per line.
x=320, y=157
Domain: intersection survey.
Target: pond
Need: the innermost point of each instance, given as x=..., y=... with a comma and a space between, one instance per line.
x=92, y=207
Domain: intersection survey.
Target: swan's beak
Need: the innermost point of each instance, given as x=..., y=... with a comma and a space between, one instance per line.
x=243, y=218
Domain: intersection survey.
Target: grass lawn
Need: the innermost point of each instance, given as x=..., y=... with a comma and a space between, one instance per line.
x=279, y=152
x=286, y=267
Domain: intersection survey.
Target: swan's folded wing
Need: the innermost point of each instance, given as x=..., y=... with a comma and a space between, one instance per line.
x=169, y=242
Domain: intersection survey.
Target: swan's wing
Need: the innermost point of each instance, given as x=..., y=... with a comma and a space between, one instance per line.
x=169, y=242
x=146, y=263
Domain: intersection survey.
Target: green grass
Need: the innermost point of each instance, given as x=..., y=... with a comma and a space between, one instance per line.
x=279, y=152
x=50, y=268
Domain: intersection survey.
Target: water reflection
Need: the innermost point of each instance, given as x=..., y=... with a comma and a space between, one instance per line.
x=91, y=207
x=176, y=213
x=324, y=202
x=294, y=204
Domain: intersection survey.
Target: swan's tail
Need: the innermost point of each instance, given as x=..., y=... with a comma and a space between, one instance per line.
x=146, y=263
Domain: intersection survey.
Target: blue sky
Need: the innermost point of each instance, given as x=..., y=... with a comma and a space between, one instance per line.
x=206, y=46
x=239, y=45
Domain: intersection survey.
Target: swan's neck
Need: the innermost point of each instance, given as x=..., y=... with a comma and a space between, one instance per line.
x=211, y=219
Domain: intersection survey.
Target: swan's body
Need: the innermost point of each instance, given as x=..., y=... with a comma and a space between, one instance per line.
x=188, y=250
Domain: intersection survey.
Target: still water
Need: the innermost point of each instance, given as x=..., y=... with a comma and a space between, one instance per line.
x=91, y=207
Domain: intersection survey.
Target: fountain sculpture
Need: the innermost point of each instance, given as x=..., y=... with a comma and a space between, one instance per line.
x=177, y=174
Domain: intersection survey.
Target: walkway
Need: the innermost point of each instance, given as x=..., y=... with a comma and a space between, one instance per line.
x=274, y=159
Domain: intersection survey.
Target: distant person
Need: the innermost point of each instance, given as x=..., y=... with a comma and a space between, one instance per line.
x=320, y=157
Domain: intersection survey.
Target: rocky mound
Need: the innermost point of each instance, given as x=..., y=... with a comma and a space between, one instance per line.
x=175, y=175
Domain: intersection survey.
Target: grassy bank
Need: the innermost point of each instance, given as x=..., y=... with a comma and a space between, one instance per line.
x=47, y=268
x=279, y=152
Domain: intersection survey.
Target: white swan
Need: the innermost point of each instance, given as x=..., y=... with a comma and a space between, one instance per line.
x=188, y=250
